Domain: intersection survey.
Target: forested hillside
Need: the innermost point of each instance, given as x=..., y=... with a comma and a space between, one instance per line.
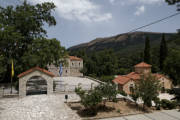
x=122, y=43
x=104, y=58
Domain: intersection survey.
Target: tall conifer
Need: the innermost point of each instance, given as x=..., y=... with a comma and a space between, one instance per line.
x=147, y=53
x=163, y=52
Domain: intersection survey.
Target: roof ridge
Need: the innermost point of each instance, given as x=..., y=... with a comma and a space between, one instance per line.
x=33, y=69
x=143, y=64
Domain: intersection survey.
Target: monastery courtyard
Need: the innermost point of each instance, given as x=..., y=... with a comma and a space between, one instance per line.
x=37, y=107
x=43, y=106
x=52, y=107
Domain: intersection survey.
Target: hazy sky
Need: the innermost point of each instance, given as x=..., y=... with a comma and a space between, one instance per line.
x=80, y=21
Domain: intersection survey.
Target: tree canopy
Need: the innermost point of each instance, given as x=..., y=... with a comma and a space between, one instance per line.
x=174, y=2
x=172, y=66
x=147, y=89
x=163, y=52
x=24, y=39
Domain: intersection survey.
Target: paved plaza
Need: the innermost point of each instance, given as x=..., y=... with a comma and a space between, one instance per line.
x=160, y=115
x=37, y=107
x=52, y=107
x=70, y=83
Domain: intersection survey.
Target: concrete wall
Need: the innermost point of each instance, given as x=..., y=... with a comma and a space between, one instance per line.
x=23, y=80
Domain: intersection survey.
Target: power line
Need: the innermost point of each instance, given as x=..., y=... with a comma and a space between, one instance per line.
x=157, y=21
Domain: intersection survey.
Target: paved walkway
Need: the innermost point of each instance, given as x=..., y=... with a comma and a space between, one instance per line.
x=161, y=115
x=52, y=107
x=36, y=107
x=70, y=83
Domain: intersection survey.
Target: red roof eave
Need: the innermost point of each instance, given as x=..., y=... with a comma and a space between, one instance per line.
x=36, y=68
x=75, y=58
x=143, y=64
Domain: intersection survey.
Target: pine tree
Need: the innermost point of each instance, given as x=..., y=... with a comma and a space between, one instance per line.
x=147, y=53
x=163, y=52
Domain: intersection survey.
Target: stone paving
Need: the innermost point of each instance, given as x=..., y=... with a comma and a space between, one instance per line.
x=36, y=107
x=52, y=107
x=160, y=115
x=70, y=83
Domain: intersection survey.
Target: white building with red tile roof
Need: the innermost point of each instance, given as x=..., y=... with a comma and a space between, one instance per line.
x=126, y=82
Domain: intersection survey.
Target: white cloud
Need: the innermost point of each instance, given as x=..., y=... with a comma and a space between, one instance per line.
x=149, y=2
x=140, y=10
x=81, y=10
x=112, y=1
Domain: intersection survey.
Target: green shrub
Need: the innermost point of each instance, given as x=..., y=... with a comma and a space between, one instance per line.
x=89, y=100
x=92, y=75
x=122, y=92
x=158, y=103
x=173, y=105
x=166, y=104
x=106, y=78
x=118, y=110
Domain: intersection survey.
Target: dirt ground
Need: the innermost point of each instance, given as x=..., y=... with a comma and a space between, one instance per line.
x=121, y=108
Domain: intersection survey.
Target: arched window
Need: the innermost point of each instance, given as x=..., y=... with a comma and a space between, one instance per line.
x=163, y=88
x=131, y=88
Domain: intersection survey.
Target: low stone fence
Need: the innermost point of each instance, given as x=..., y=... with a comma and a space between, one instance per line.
x=58, y=88
x=96, y=80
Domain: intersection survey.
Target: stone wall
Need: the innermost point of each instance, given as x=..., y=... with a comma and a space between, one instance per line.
x=166, y=83
x=143, y=70
x=126, y=87
x=72, y=68
x=23, y=80
x=75, y=72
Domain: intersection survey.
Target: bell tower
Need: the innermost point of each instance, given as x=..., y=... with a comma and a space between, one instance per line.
x=143, y=68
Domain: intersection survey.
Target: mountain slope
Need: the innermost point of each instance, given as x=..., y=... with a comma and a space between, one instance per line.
x=122, y=42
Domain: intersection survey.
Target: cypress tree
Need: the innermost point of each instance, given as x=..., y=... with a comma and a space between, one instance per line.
x=147, y=53
x=163, y=52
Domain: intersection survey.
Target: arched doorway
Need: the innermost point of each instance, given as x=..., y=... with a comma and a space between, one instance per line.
x=35, y=81
x=36, y=85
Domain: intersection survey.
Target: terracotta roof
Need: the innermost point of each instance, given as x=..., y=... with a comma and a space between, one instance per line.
x=134, y=76
x=121, y=79
x=143, y=64
x=75, y=58
x=160, y=75
x=33, y=69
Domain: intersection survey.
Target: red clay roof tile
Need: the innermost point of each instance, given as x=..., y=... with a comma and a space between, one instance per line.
x=160, y=75
x=33, y=69
x=121, y=79
x=143, y=64
x=75, y=58
x=134, y=76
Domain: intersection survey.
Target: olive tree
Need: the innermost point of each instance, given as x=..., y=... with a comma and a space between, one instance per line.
x=147, y=88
